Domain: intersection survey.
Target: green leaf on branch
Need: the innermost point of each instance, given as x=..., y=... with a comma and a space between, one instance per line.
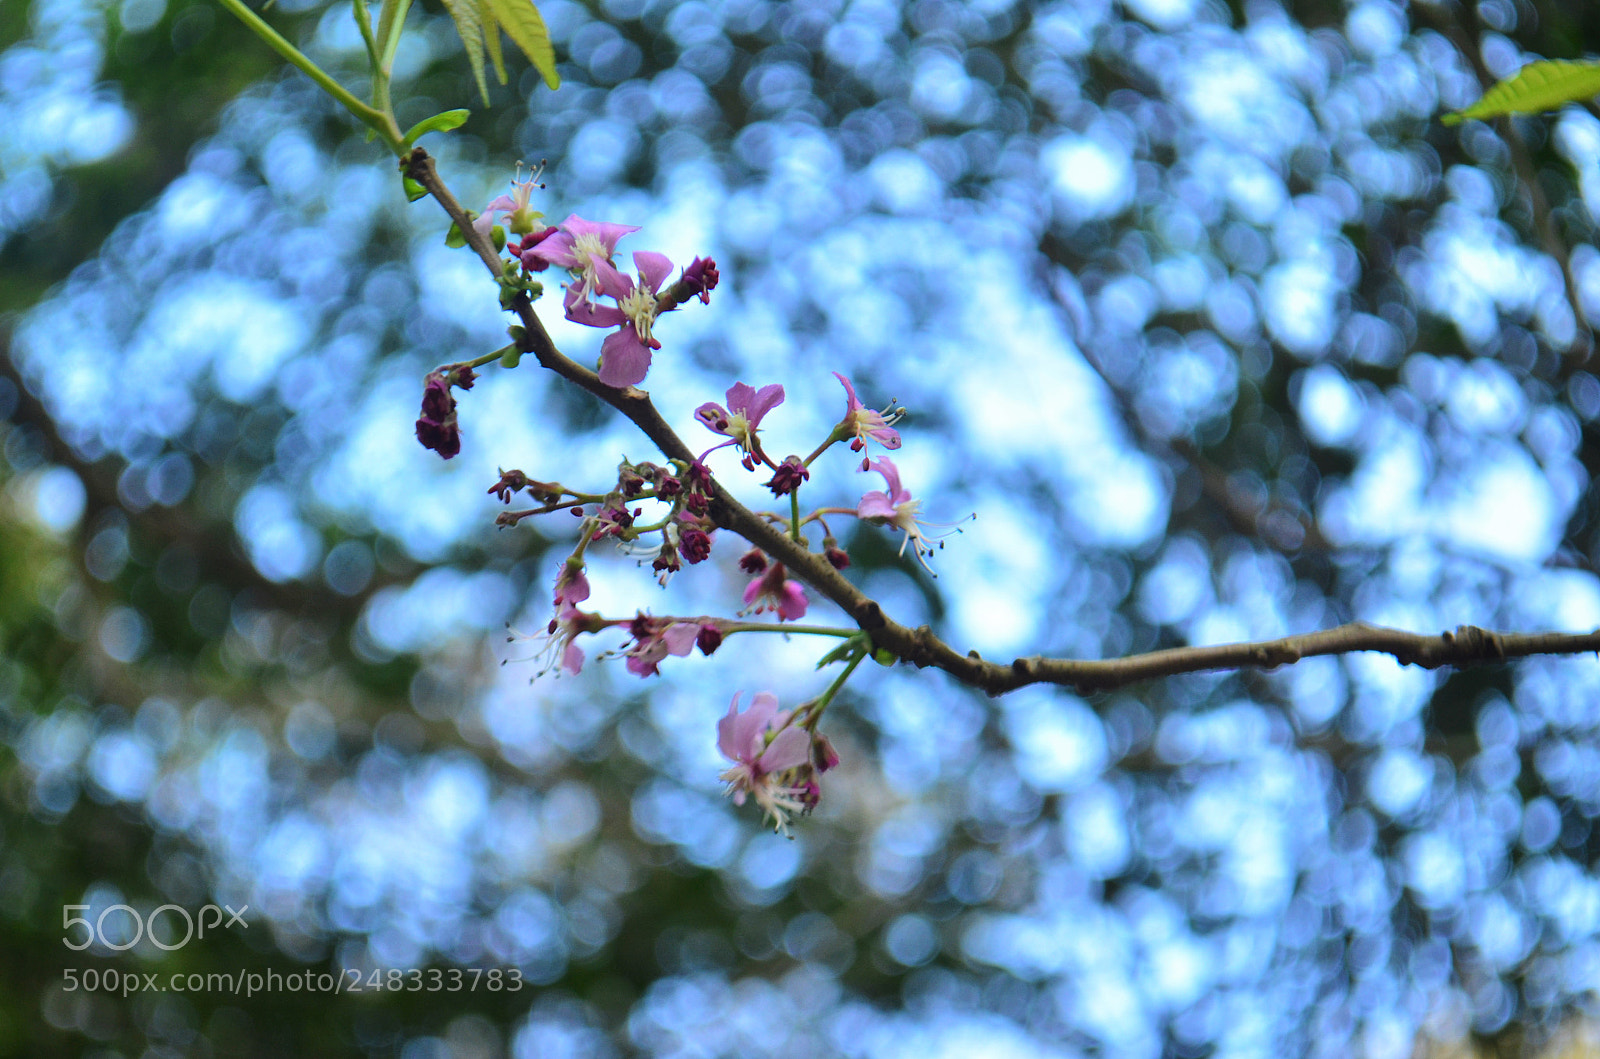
x=1537, y=87
x=453, y=238
x=511, y=358
x=414, y=190
x=523, y=23
x=450, y=119
x=466, y=14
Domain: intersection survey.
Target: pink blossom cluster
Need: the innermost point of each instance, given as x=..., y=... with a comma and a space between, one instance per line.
x=661, y=513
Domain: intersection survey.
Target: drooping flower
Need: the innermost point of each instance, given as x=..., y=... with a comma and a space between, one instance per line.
x=654, y=639
x=747, y=406
x=560, y=648
x=571, y=584
x=763, y=746
x=436, y=427
x=897, y=508
x=584, y=248
x=862, y=423
x=774, y=590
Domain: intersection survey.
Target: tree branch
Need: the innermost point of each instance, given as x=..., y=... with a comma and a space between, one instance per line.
x=1468, y=645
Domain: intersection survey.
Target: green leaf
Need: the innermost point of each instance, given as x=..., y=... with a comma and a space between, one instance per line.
x=511, y=358
x=450, y=119
x=492, y=39
x=1537, y=87
x=414, y=190
x=523, y=23
x=453, y=238
x=465, y=15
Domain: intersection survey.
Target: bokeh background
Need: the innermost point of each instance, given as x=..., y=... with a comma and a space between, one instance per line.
x=1196, y=305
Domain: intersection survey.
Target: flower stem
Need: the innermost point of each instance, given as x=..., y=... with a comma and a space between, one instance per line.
x=794, y=516
x=380, y=122
x=814, y=713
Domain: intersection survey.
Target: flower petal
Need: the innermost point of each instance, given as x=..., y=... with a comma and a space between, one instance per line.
x=766, y=399
x=876, y=505
x=855, y=405
x=654, y=267
x=680, y=637
x=789, y=748
x=624, y=360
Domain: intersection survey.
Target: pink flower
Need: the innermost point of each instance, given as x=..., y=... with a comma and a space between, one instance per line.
x=773, y=590
x=747, y=406
x=563, y=630
x=584, y=248
x=861, y=422
x=516, y=204
x=654, y=640
x=572, y=586
x=897, y=508
x=625, y=354
x=762, y=745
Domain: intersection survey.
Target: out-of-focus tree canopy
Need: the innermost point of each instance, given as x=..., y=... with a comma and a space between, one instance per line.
x=1198, y=306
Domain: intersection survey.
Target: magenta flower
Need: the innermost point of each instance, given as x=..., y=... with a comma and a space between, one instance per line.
x=897, y=508
x=585, y=248
x=747, y=406
x=654, y=640
x=861, y=422
x=625, y=354
x=774, y=590
x=762, y=745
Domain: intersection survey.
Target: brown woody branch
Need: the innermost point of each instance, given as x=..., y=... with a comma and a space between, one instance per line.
x=1468, y=645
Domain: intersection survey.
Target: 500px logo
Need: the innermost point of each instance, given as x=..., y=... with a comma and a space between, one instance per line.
x=96, y=931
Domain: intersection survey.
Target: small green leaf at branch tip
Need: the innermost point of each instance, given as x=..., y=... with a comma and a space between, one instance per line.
x=511, y=358
x=450, y=119
x=414, y=190
x=1536, y=88
x=524, y=25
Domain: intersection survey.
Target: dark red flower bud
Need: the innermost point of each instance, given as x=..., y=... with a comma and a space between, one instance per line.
x=788, y=476
x=695, y=544
x=753, y=562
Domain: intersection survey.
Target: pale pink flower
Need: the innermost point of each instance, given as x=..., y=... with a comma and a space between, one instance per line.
x=654, y=640
x=863, y=423
x=897, y=508
x=762, y=746
x=774, y=590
